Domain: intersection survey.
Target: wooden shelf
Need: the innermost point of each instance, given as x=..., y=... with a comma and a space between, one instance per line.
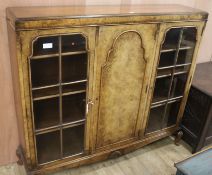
x=57, y=55
x=52, y=91
x=162, y=101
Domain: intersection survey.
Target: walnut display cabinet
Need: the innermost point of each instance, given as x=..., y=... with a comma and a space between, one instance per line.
x=96, y=82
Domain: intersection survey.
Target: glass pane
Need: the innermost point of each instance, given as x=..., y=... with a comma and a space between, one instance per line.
x=44, y=71
x=48, y=146
x=181, y=69
x=74, y=67
x=178, y=85
x=161, y=89
x=167, y=59
x=74, y=107
x=46, y=112
x=185, y=56
x=46, y=45
x=155, y=118
x=162, y=72
x=73, y=140
x=73, y=43
x=171, y=39
x=171, y=114
x=189, y=37
x=74, y=87
x=45, y=92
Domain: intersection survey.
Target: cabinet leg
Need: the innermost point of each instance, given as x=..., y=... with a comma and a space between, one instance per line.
x=178, y=137
x=19, y=155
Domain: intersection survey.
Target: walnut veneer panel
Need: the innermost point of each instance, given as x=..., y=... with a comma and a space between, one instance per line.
x=125, y=54
x=119, y=105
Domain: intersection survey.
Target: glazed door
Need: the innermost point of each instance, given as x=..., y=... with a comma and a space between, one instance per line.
x=174, y=71
x=125, y=55
x=60, y=66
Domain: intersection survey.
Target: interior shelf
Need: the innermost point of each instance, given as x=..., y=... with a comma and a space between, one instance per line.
x=69, y=88
x=74, y=87
x=167, y=100
x=45, y=92
x=57, y=55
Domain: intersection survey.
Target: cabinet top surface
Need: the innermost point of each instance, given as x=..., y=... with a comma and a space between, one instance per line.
x=29, y=13
x=202, y=78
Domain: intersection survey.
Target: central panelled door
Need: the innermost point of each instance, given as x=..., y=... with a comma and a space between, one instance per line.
x=123, y=70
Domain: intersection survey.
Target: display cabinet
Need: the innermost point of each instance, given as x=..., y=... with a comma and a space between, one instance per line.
x=91, y=85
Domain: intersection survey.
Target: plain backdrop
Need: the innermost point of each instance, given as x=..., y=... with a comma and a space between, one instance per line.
x=8, y=126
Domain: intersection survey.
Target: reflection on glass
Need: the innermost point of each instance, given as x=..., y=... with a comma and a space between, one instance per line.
x=185, y=56
x=178, y=85
x=73, y=140
x=74, y=87
x=48, y=146
x=180, y=69
x=171, y=114
x=167, y=59
x=161, y=89
x=171, y=39
x=189, y=37
x=46, y=45
x=155, y=118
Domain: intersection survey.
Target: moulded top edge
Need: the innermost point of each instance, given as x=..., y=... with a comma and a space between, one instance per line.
x=157, y=12
x=30, y=13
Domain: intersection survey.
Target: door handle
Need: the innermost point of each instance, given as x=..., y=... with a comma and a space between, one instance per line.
x=90, y=102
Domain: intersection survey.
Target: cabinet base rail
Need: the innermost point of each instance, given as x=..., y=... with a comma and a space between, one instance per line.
x=95, y=157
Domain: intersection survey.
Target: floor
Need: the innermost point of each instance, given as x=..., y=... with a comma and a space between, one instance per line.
x=155, y=159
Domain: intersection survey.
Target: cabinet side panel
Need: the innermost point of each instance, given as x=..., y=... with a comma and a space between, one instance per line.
x=13, y=46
